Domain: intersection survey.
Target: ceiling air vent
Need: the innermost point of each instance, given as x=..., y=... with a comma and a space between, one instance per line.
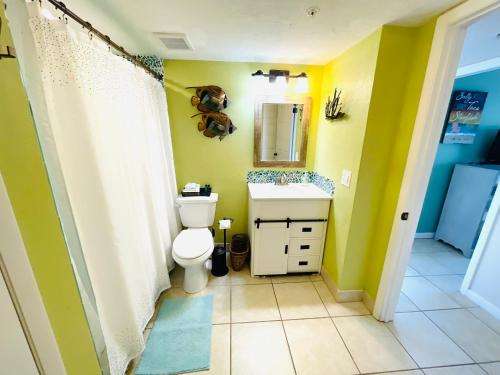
x=175, y=41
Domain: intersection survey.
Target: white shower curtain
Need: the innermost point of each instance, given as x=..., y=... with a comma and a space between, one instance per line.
x=103, y=122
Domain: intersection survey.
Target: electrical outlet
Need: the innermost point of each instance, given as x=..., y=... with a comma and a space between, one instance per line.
x=346, y=177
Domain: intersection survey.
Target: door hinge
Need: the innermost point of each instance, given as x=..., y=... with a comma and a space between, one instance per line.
x=404, y=215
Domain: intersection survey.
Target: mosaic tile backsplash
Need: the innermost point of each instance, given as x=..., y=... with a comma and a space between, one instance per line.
x=270, y=176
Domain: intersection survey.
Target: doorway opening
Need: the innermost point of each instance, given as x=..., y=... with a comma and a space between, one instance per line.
x=451, y=176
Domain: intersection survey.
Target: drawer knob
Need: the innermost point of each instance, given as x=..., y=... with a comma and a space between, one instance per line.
x=306, y=229
x=304, y=247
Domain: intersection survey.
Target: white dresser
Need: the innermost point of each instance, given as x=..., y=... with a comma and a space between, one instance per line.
x=287, y=227
x=469, y=196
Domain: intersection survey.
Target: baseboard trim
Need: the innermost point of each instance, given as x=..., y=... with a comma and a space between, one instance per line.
x=368, y=301
x=341, y=295
x=425, y=235
x=483, y=303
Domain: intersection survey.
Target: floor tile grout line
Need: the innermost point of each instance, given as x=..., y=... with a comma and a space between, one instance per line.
x=401, y=292
x=288, y=345
x=283, y=328
x=321, y=299
x=458, y=346
x=446, y=334
x=400, y=343
x=347, y=348
x=277, y=303
x=421, y=369
x=423, y=312
x=484, y=322
x=444, y=291
x=294, y=319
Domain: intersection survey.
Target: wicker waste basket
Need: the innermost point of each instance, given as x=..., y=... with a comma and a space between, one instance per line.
x=240, y=245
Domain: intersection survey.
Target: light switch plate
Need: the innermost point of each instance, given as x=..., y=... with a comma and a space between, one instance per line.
x=346, y=177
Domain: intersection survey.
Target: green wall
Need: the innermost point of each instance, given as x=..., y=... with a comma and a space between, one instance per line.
x=450, y=154
x=381, y=79
x=224, y=164
x=25, y=177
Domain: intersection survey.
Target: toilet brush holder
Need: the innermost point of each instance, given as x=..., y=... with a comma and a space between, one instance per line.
x=219, y=263
x=219, y=260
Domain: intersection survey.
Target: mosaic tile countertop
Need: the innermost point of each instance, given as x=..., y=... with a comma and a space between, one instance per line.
x=294, y=177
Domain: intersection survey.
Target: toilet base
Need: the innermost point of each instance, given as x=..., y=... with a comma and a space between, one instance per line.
x=195, y=278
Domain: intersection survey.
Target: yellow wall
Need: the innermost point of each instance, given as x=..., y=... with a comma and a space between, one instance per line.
x=25, y=177
x=420, y=49
x=224, y=164
x=381, y=79
x=340, y=143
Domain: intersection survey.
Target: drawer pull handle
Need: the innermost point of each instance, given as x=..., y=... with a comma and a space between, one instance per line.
x=304, y=247
x=306, y=229
x=303, y=263
x=286, y=249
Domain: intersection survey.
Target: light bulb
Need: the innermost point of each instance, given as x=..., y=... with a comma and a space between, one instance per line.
x=258, y=83
x=302, y=85
x=280, y=83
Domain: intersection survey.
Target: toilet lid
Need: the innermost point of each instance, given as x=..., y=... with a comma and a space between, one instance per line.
x=192, y=243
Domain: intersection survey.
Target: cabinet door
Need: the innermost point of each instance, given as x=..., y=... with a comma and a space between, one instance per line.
x=270, y=249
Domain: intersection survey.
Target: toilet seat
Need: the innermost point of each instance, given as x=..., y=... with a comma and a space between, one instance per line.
x=193, y=243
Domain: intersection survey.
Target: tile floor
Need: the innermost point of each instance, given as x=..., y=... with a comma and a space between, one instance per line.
x=293, y=325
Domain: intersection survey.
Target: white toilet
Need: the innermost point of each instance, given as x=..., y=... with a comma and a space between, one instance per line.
x=194, y=245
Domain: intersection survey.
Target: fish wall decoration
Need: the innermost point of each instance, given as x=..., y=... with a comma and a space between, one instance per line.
x=215, y=124
x=209, y=98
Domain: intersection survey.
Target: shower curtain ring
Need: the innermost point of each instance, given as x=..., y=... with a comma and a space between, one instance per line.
x=90, y=34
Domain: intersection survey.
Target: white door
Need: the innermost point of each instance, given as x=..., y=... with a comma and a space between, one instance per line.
x=15, y=354
x=271, y=249
x=481, y=280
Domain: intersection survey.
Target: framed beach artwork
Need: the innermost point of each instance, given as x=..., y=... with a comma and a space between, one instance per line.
x=464, y=116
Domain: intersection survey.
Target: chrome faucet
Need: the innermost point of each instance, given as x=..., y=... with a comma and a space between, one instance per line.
x=282, y=180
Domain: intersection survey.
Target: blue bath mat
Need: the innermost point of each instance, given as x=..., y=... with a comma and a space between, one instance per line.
x=180, y=339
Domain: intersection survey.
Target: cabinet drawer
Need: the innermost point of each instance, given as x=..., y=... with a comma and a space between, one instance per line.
x=312, y=229
x=303, y=264
x=305, y=246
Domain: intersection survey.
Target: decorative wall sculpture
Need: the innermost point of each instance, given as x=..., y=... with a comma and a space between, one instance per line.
x=333, y=108
x=210, y=101
x=215, y=124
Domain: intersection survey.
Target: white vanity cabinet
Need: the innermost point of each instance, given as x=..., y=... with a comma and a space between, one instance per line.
x=287, y=228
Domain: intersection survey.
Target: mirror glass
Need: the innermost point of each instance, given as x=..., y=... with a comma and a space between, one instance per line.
x=281, y=131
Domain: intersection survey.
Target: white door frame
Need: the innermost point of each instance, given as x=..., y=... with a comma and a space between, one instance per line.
x=16, y=269
x=438, y=83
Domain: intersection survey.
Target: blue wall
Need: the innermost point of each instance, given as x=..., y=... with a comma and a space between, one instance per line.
x=450, y=154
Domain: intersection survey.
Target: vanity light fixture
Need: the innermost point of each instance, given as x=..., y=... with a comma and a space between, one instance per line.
x=281, y=78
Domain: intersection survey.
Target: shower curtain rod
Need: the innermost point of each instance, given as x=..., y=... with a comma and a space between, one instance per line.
x=132, y=58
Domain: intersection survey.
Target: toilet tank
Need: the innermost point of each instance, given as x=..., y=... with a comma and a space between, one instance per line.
x=197, y=212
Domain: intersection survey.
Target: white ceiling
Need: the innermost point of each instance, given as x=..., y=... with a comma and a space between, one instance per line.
x=481, y=42
x=255, y=30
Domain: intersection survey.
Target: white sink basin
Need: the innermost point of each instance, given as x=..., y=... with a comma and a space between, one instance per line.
x=290, y=191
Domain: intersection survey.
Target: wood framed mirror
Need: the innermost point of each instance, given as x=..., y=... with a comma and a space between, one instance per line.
x=280, y=131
